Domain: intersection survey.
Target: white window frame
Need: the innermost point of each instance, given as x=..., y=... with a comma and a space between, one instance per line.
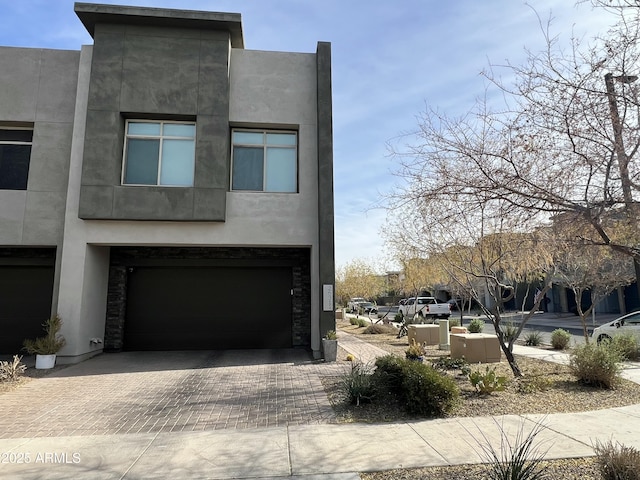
x=160, y=138
x=266, y=145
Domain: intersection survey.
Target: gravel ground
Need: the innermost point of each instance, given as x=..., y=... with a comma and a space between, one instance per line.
x=557, y=392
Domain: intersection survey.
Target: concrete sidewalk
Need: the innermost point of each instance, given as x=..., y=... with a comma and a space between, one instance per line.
x=315, y=450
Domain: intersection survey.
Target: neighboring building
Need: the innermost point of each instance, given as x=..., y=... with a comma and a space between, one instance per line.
x=165, y=188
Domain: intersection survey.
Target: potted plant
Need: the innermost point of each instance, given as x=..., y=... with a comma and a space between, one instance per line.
x=415, y=351
x=330, y=346
x=45, y=348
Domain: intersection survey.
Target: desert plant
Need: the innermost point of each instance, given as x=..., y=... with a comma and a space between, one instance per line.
x=362, y=322
x=597, y=365
x=560, y=339
x=533, y=338
x=377, y=329
x=476, y=325
x=448, y=363
x=10, y=371
x=488, y=381
x=415, y=351
x=358, y=385
x=627, y=345
x=353, y=321
x=426, y=391
x=454, y=322
x=509, y=331
x=52, y=341
x=398, y=318
x=518, y=459
x=617, y=462
x=331, y=335
x=421, y=388
x=534, y=383
x=350, y=357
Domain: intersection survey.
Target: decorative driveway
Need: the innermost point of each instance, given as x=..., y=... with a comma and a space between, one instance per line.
x=146, y=392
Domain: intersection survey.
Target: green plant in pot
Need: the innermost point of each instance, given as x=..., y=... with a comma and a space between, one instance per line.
x=330, y=346
x=45, y=348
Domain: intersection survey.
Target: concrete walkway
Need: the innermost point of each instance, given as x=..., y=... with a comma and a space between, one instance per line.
x=307, y=450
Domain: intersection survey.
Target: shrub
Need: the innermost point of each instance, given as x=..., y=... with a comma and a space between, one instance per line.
x=476, y=325
x=509, y=331
x=421, y=388
x=376, y=329
x=488, y=381
x=350, y=357
x=425, y=391
x=353, y=321
x=362, y=322
x=454, y=322
x=597, y=365
x=533, y=339
x=10, y=371
x=448, y=363
x=627, y=345
x=358, y=384
x=560, y=339
x=415, y=351
x=398, y=318
x=617, y=462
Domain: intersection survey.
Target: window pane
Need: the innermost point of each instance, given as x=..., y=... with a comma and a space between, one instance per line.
x=281, y=138
x=14, y=166
x=248, y=138
x=144, y=128
x=142, y=162
x=179, y=130
x=281, y=170
x=178, y=158
x=247, y=168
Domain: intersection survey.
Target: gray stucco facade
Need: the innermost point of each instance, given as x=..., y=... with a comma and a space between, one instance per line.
x=178, y=68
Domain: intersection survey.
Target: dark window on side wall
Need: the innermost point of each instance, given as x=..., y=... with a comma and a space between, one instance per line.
x=15, y=153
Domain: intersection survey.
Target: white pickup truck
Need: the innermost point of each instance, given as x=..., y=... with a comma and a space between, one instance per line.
x=425, y=307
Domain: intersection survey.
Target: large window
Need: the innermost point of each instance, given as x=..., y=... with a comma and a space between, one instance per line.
x=15, y=153
x=264, y=161
x=159, y=153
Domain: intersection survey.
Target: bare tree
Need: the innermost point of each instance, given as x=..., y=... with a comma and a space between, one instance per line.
x=485, y=253
x=556, y=146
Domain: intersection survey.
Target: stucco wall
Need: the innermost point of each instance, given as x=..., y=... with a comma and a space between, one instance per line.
x=39, y=90
x=287, y=92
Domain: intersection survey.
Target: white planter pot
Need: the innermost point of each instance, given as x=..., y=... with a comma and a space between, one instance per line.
x=330, y=349
x=44, y=362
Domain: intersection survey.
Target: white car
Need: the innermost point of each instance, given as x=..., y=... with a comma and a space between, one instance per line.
x=354, y=303
x=629, y=323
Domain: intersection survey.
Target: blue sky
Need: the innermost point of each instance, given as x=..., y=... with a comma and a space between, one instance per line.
x=390, y=60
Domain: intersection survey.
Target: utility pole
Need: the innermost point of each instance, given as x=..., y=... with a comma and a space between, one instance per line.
x=621, y=154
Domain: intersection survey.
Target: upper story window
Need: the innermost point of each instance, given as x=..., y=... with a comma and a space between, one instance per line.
x=264, y=161
x=15, y=154
x=159, y=153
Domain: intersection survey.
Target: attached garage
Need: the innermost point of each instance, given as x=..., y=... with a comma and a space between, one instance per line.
x=187, y=308
x=26, y=291
x=199, y=298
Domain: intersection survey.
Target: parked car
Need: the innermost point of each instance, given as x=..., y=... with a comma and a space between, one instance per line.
x=629, y=323
x=352, y=305
x=368, y=307
x=425, y=307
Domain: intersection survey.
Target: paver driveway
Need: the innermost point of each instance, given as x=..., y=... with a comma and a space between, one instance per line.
x=142, y=392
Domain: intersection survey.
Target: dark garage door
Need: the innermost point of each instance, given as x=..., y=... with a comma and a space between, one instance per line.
x=196, y=308
x=25, y=303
